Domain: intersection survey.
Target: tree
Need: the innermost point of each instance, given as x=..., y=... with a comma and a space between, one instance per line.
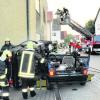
x=68, y=38
x=90, y=26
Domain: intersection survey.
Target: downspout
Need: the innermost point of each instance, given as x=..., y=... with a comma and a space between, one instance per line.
x=27, y=18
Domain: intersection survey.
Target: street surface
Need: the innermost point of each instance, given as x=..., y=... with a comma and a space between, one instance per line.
x=70, y=91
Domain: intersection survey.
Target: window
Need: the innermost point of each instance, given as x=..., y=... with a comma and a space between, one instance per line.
x=54, y=34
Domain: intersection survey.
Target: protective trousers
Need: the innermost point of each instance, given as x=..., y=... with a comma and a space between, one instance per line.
x=28, y=83
x=4, y=88
x=9, y=73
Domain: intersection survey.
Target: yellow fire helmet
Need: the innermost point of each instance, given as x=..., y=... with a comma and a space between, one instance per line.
x=31, y=45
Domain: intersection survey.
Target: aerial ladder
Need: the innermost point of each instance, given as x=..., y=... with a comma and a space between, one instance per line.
x=64, y=17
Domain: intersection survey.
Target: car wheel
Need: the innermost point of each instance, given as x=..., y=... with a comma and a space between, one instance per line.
x=83, y=83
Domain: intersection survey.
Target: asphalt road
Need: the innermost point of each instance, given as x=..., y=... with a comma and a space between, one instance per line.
x=72, y=91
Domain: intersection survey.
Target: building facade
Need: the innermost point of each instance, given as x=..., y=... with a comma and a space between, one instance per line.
x=49, y=24
x=23, y=19
x=56, y=30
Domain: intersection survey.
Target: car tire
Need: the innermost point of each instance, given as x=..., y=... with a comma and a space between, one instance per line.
x=83, y=83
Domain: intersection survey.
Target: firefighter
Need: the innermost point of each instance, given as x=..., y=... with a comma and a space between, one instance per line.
x=15, y=63
x=3, y=71
x=65, y=11
x=78, y=46
x=71, y=46
x=27, y=69
x=55, y=45
x=7, y=45
x=8, y=63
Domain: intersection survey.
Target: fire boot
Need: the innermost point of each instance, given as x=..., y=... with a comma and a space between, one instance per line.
x=32, y=92
x=10, y=83
x=5, y=98
x=24, y=93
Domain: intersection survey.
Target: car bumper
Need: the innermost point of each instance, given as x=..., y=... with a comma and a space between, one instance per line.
x=68, y=78
x=96, y=49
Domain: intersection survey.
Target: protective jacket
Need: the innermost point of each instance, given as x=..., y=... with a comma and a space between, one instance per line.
x=3, y=72
x=28, y=62
x=8, y=47
x=2, y=67
x=3, y=80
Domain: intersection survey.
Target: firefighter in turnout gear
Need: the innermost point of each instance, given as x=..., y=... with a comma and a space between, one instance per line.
x=7, y=45
x=55, y=45
x=27, y=69
x=3, y=71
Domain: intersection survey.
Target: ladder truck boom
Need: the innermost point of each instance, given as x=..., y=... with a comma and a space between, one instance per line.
x=66, y=20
